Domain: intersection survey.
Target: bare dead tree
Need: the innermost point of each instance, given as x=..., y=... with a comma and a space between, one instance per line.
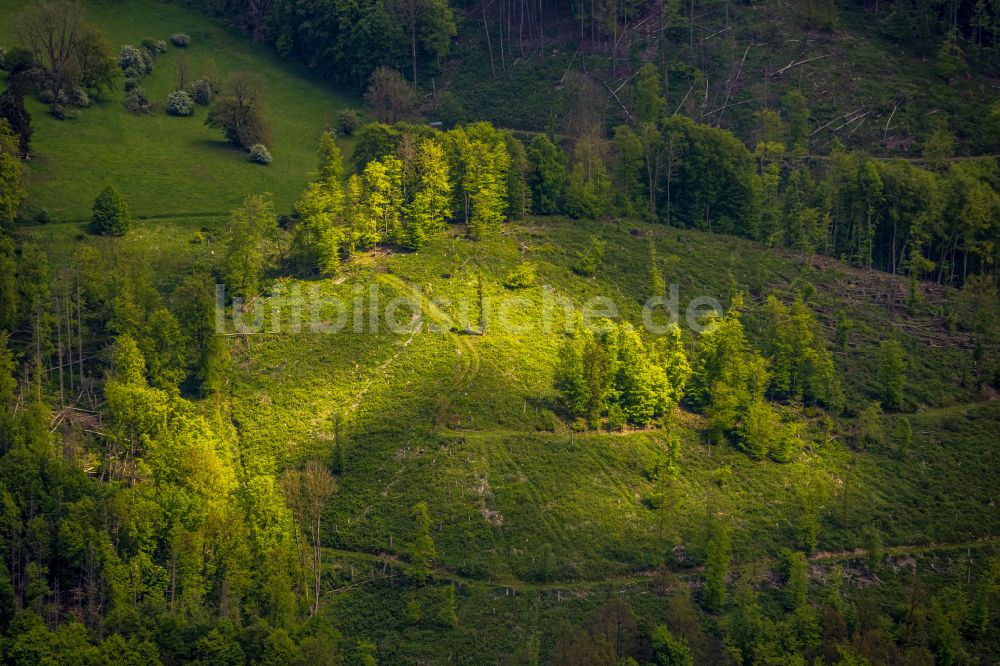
x=307, y=492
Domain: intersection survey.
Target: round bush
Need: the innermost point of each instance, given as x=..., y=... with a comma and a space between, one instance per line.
x=47, y=97
x=132, y=62
x=260, y=154
x=147, y=59
x=79, y=98
x=137, y=101
x=181, y=39
x=202, y=91
x=179, y=103
x=348, y=121
x=154, y=45
x=131, y=84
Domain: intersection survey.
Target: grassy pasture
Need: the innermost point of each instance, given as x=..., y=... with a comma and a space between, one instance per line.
x=168, y=166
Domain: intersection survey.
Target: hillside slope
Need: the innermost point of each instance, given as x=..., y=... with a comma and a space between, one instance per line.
x=862, y=87
x=536, y=522
x=465, y=424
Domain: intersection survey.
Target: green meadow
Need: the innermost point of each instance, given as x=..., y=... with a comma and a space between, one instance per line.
x=169, y=166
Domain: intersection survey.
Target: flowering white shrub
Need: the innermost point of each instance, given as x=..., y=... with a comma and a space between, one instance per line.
x=260, y=154
x=179, y=103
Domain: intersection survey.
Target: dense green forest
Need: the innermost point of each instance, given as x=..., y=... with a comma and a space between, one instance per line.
x=408, y=332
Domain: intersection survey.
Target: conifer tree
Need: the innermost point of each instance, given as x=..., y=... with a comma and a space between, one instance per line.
x=797, y=581
x=8, y=387
x=422, y=552
x=758, y=428
x=448, y=612
x=796, y=109
x=891, y=373
x=717, y=564
x=206, y=353
x=127, y=363
x=518, y=190
x=362, y=229
x=800, y=364
x=721, y=362
x=338, y=446
x=657, y=285
x=547, y=176
x=9, y=300
x=570, y=377
x=640, y=386
x=675, y=363
x=12, y=189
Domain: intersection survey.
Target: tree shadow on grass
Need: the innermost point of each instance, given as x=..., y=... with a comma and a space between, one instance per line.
x=218, y=147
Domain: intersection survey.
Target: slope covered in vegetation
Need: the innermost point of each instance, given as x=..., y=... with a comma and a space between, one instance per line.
x=637, y=389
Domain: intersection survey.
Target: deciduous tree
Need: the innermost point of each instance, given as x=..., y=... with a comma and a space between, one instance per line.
x=391, y=97
x=111, y=216
x=52, y=31
x=239, y=111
